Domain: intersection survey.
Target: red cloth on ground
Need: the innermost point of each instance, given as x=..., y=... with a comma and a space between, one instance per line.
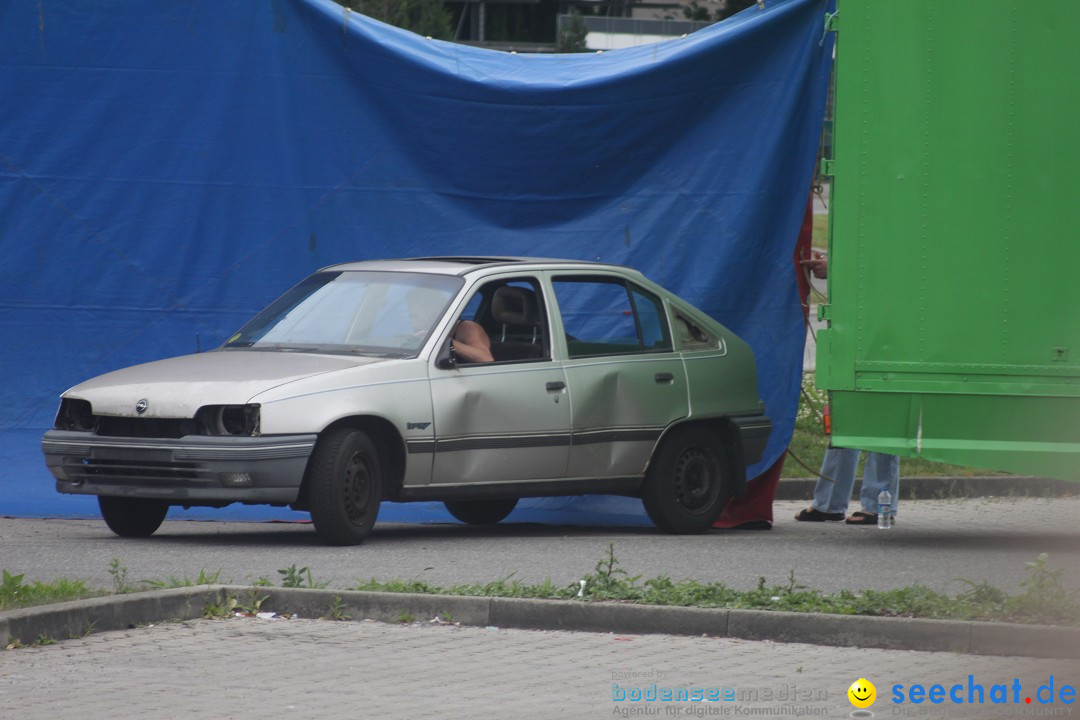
x=756, y=506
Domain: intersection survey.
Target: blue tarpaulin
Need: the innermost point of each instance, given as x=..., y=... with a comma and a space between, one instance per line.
x=167, y=169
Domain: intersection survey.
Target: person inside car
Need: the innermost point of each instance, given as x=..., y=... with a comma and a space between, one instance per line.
x=471, y=343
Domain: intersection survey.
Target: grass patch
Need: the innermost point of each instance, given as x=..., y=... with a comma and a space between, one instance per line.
x=820, y=237
x=16, y=593
x=203, y=578
x=1043, y=599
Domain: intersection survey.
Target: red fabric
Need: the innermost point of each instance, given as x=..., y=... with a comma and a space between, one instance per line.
x=756, y=505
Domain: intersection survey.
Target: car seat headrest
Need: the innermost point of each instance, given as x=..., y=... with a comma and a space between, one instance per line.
x=514, y=306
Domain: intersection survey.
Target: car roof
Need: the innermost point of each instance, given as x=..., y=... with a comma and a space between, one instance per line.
x=462, y=265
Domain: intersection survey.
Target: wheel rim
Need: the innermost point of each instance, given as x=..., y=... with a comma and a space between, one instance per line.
x=697, y=480
x=358, y=488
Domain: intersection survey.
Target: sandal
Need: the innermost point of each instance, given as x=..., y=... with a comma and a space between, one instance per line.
x=862, y=518
x=815, y=515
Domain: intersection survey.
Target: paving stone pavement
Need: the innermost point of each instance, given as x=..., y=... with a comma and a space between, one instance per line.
x=298, y=668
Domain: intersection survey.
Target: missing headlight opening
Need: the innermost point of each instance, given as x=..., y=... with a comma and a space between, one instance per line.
x=74, y=415
x=229, y=419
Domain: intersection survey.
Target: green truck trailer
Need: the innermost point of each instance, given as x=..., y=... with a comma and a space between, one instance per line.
x=953, y=313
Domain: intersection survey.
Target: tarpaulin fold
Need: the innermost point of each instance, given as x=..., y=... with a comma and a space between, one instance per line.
x=167, y=169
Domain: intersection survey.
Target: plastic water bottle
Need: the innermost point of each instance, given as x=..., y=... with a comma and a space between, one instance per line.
x=884, y=510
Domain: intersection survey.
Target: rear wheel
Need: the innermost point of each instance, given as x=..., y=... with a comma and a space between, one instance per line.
x=344, y=486
x=481, y=512
x=685, y=489
x=132, y=517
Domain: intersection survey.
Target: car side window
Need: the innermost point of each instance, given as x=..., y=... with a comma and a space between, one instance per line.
x=513, y=316
x=472, y=308
x=650, y=313
x=692, y=336
x=609, y=316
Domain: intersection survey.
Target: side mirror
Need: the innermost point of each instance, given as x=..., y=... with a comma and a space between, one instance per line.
x=446, y=359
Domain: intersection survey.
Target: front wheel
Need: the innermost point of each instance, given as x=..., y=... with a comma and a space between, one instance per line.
x=132, y=517
x=685, y=489
x=481, y=512
x=344, y=486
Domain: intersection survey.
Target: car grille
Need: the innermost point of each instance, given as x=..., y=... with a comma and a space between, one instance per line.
x=134, y=472
x=145, y=427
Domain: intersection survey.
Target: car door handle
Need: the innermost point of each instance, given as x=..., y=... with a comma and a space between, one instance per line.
x=557, y=385
x=662, y=378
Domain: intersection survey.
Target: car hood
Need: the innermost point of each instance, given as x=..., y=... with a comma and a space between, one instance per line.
x=177, y=387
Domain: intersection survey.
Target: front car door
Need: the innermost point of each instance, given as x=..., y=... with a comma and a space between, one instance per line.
x=506, y=420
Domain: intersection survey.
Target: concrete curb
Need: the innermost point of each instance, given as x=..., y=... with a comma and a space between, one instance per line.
x=78, y=618
x=115, y=612
x=940, y=488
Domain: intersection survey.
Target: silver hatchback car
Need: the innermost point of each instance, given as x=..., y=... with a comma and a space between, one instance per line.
x=474, y=381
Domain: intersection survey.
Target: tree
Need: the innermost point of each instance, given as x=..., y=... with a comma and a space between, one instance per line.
x=695, y=12
x=423, y=17
x=730, y=7
x=572, y=37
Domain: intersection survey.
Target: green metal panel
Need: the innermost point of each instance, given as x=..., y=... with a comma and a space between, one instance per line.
x=954, y=324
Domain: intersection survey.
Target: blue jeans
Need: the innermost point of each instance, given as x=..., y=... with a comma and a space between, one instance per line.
x=832, y=493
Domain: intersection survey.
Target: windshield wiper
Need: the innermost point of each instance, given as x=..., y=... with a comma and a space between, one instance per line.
x=274, y=347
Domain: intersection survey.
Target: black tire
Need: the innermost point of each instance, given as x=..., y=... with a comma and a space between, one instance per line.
x=344, y=485
x=685, y=488
x=132, y=517
x=481, y=512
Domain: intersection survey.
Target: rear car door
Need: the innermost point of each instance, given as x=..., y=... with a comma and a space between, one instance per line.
x=626, y=382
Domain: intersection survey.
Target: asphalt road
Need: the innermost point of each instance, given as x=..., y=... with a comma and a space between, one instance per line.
x=935, y=543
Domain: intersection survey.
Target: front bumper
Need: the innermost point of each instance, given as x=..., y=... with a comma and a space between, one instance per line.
x=192, y=470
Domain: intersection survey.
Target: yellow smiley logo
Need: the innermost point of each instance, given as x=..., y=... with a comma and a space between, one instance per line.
x=862, y=693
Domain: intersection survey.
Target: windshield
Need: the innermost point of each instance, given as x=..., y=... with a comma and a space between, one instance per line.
x=389, y=314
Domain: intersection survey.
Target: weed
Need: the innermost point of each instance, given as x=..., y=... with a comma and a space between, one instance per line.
x=406, y=618
x=1044, y=599
x=609, y=580
x=337, y=610
x=792, y=586
x=14, y=592
x=219, y=610
x=43, y=639
x=254, y=603
x=10, y=587
x=119, y=575
x=203, y=578
x=398, y=586
x=446, y=617
x=291, y=577
x=88, y=629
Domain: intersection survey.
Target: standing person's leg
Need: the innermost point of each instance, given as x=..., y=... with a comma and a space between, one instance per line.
x=832, y=493
x=881, y=471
